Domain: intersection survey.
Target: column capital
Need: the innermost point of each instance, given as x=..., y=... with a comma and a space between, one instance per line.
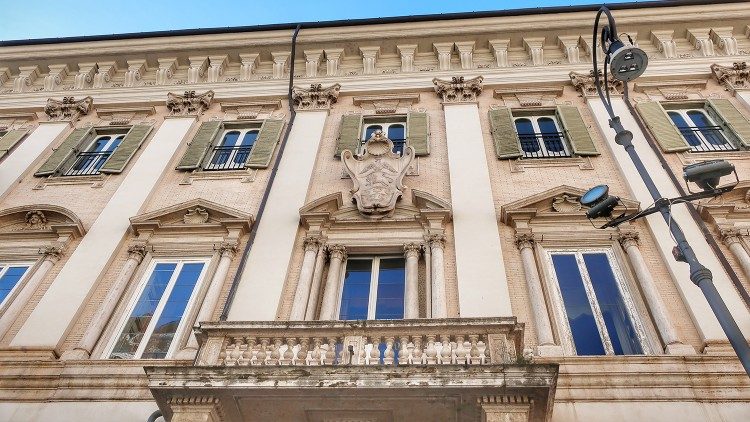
x=337, y=252
x=228, y=249
x=732, y=77
x=458, y=89
x=68, y=109
x=436, y=241
x=628, y=239
x=189, y=103
x=584, y=83
x=51, y=252
x=525, y=240
x=316, y=97
x=730, y=236
x=412, y=250
x=137, y=251
x=312, y=243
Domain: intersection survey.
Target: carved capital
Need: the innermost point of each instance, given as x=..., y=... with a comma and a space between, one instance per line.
x=316, y=97
x=165, y=72
x=412, y=250
x=189, y=104
x=137, y=251
x=312, y=243
x=85, y=75
x=136, y=70
x=198, y=67
x=68, y=108
x=525, y=240
x=458, y=89
x=228, y=249
x=52, y=252
x=628, y=239
x=436, y=241
x=337, y=252
x=26, y=77
x=730, y=236
x=734, y=77
x=57, y=73
x=584, y=83
x=249, y=64
x=105, y=72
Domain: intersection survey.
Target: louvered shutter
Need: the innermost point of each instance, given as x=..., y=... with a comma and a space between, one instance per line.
x=418, y=127
x=666, y=134
x=349, y=133
x=576, y=131
x=504, y=133
x=198, y=146
x=731, y=119
x=265, y=144
x=69, y=147
x=10, y=139
x=127, y=148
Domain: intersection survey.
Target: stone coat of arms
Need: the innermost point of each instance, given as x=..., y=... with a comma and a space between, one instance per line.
x=377, y=175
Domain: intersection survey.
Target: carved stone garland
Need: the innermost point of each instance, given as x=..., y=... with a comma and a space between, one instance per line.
x=458, y=89
x=377, y=175
x=734, y=77
x=189, y=104
x=584, y=83
x=68, y=108
x=315, y=98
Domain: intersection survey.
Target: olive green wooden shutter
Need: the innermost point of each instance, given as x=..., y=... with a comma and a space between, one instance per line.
x=351, y=129
x=127, y=148
x=70, y=146
x=504, y=133
x=576, y=131
x=666, y=134
x=732, y=120
x=418, y=136
x=265, y=144
x=198, y=146
x=10, y=139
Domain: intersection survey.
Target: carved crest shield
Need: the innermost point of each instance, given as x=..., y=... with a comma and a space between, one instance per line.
x=377, y=175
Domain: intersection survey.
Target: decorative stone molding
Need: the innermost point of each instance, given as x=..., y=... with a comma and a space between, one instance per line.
x=197, y=215
x=104, y=74
x=166, y=70
x=386, y=104
x=199, y=408
x=52, y=252
x=312, y=243
x=377, y=175
x=731, y=236
x=197, y=69
x=250, y=110
x=136, y=70
x=68, y=108
x=249, y=62
x=336, y=252
x=334, y=56
x=280, y=59
x=85, y=75
x=35, y=220
x=436, y=241
x=217, y=66
x=26, y=77
x=57, y=73
x=407, y=52
x=569, y=47
x=369, y=59
x=312, y=62
x=725, y=40
x=566, y=203
x=584, y=83
x=664, y=42
x=189, y=104
x=500, y=50
x=466, y=54
x=443, y=51
x=316, y=97
x=735, y=77
x=4, y=75
x=701, y=40
x=525, y=240
x=458, y=89
x=530, y=96
x=137, y=252
x=535, y=49
x=672, y=90
x=121, y=116
x=412, y=250
x=628, y=238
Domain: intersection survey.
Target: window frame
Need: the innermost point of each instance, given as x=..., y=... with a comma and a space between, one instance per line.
x=227, y=127
x=385, y=122
x=624, y=287
x=543, y=152
x=90, y=142
x=374, y=280
x=135, y=295
x=705, y=144
x=5, y=265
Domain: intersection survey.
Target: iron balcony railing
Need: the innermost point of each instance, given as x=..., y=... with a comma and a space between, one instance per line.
x=88, y=163
x=706, y=139
x=228, y=158
x=543, y=145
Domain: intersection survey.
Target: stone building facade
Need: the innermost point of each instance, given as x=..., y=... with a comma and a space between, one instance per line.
x=398, y=237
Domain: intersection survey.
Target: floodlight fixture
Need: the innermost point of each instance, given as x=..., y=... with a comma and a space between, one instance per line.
x=600, y=203
x=626, y=61
x=708, y=174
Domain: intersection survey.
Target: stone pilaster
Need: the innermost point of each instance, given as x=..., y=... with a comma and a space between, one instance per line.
x=458, y=89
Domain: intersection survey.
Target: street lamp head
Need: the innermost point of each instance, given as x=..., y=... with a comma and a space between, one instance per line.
x=599, y=201
x=626, y=61
x=707, y=174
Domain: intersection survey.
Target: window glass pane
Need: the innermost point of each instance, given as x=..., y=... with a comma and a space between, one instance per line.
x=391, y=278
x=684, y=128
x=230, y=139
x=396, y=133
x=10, y=279
x=370, y=130
x=577, y=307
x=526, y=135
x=712, y=135
x=356, y=294
x=100, y=144
x=552, y=140
x=249, y=139
x=136, y=325
x=616, y=317
x=171, y=315
x=240, y=156
x=116, y=143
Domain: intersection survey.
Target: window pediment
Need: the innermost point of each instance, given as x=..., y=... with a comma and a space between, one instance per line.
x=730, y=209
x=197, y=215
x=38, y=220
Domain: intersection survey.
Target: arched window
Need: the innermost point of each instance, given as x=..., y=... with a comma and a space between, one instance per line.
x=95, y=155
x=699, y=130
x=540, y=137
x=233, y=150
x=394, y=130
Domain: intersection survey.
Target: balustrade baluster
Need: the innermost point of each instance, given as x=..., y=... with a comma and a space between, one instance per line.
x=404, y=350
x=431, y=350
x=485, y=353
x=252, y=351
x=235, y=353
x=388, y=355
x=262, y=356
x=288, y=354
x=316, y=355
x=275, y=352
x=461, y=351
x=375, y=351
x=446, y=351
x=330, y=352
x=417, y=354
x=302, y=353
x=474, y=357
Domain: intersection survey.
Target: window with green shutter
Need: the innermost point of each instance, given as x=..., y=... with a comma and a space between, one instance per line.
x=197, y=148
x=265, y=144
x=576, y=131
x=125, y=149
x=418, y=132
x=64, y=152
x=708, y=126
x=504, y=135
x=660, y=125
x=349, y=133
x=9, y=139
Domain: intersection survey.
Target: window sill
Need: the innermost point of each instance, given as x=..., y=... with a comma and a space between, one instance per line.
x=520, y=165
x=95, y=180
x=691, y=157
x=244, y=175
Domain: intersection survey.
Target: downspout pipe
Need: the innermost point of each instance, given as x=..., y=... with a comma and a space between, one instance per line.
x=154, y=416
x=267, y=191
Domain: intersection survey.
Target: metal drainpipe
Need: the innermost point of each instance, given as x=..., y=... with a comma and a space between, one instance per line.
x=267, y=191
x=154, y=416
x=691, y=208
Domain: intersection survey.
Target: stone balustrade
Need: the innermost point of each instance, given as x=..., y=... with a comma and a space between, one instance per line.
x=466, y=341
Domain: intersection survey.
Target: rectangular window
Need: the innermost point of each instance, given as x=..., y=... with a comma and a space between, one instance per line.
x=394, y=128
x=93, y=157
x=10, y=275
x=233, y=149
x=700, y=131
x=601, y=319
x=373, y=288
x=155, y=317
x=540, y=136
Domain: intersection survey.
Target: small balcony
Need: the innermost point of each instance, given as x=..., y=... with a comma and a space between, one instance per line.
x=228, y=158
x=543, y=145
x=706, y=139
x=88, y=163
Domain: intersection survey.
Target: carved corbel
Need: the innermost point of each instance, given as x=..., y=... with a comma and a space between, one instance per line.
x=249, y=62
x=570, y=48
x=466, y=54
x=407, y=53
x=500, y=49
x=136, y=70
x=316, y=97
x=105, y=72
x=584, y=83
x=4, y=75
x=189, y=104
x=535, y=49
x=458, y=89
x=443, y=51
x=85, y=75
x=664, y=42
x=218, y=64
x=312, y=62
x=701, y=40
x=68, y=109
x=280, y=59
x=334, y=56
x=734, y=77
x=369, y=59
x=725, y=40
x=57, y=73
x=197, y=70
x=25, y=78
x=166, y=70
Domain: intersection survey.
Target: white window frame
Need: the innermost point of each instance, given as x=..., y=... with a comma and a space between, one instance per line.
x=704, y=142
x=542, y=145
x=159, y=308
x=218, y=143
x=386, y=123
x=86, y=171
x=622, y=287
x=5, y=266
x=113, y=137
x=374, y=275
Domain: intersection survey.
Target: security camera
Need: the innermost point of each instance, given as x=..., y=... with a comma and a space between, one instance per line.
x=707, y=173
x=599, y=202
x=626, y=61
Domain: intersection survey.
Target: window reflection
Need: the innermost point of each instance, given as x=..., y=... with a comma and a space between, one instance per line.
x=9, y=278
x=382, y=279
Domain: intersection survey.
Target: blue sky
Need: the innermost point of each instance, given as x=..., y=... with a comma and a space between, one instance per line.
x=89, y=17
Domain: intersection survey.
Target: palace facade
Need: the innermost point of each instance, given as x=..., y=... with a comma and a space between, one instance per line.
x=377, y=220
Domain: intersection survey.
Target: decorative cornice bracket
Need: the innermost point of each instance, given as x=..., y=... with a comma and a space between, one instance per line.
x=458, y=89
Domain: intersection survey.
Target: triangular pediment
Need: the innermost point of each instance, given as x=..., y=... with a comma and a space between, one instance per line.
x=194, y=214
x=40, y=219
x=729, y=208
